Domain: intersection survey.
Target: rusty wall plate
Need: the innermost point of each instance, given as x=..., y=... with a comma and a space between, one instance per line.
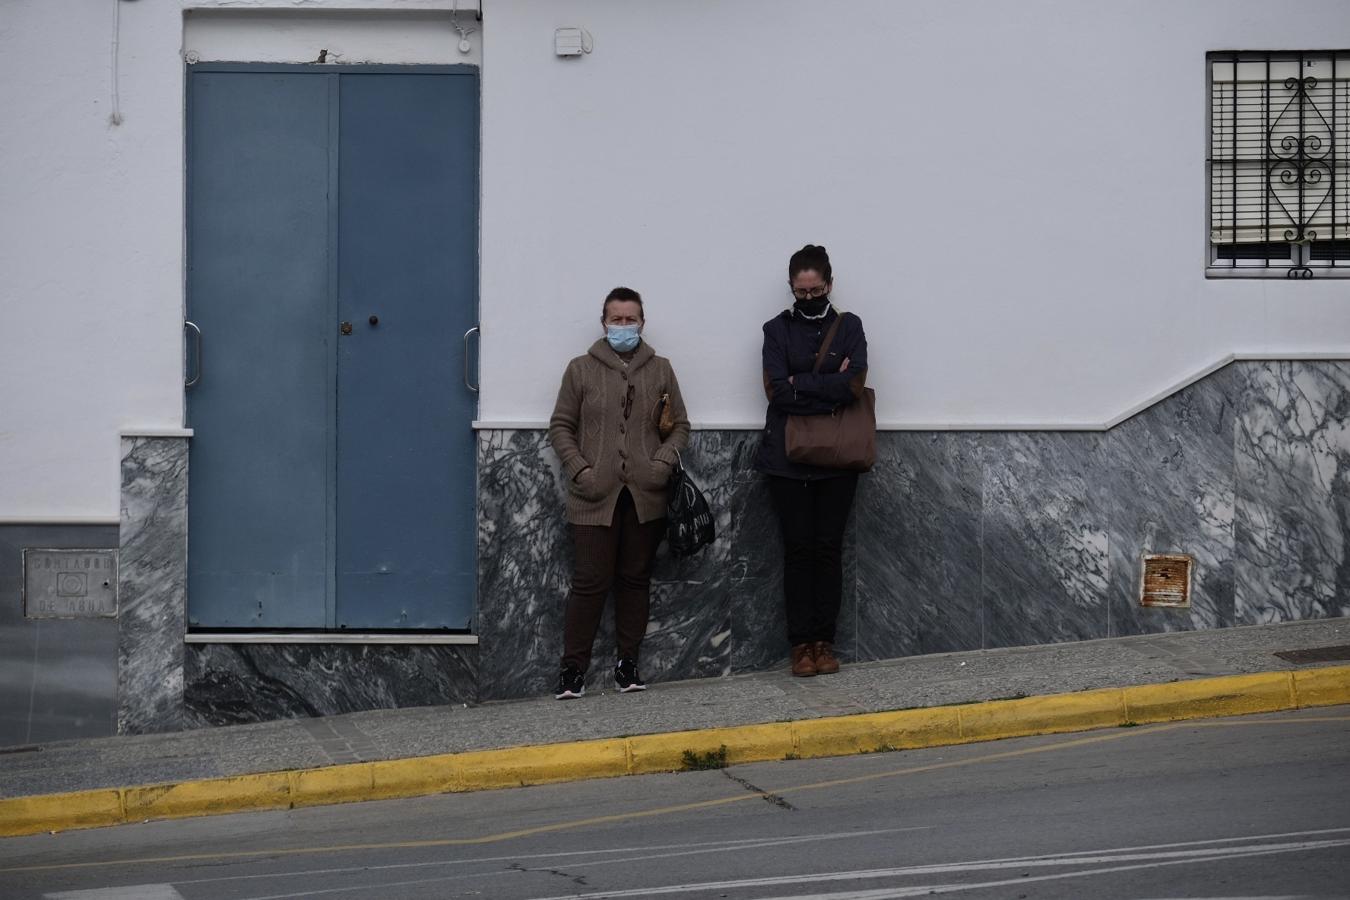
x=69, y=584
x=1315, y=654
x=1166, y=580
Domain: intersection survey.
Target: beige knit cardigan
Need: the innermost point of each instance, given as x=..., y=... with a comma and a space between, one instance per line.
x=601, y=451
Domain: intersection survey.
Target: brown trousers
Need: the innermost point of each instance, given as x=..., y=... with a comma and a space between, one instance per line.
x=617, y=556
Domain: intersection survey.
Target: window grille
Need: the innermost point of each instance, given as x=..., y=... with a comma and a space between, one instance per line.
x=1279, y=164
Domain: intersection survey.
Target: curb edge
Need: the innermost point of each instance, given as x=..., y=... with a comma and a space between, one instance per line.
x=476, y=770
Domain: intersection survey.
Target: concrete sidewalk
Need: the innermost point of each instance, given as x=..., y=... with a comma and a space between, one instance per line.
x=918, y=682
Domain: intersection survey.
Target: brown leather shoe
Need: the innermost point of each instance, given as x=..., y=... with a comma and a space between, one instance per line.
x=826, y=662
x=803, y=663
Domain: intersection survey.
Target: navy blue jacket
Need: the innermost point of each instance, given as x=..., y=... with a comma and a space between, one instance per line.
x=790, y=346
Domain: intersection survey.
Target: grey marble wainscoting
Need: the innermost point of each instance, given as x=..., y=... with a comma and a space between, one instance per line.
x=965, y=540
x=1292, y=526
x=960, y=540
x=525, y=569
x=918, y=523
x=742, y=573
x=524, y=563
x=1165, y=484
x=1044, y=559
x=152, y=579
x=229, y=684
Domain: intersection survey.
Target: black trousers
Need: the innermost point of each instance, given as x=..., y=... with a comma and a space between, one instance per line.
x=617, y=557
x=812, y=516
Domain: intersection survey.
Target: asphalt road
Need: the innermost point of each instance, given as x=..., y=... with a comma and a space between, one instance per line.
x=1254, y=807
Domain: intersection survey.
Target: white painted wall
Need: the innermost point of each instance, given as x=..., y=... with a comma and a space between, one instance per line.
x=91, y=215
x=1013, y=193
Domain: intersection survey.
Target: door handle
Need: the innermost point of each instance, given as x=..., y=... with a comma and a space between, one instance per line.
x=197, y=341
x=472, y=331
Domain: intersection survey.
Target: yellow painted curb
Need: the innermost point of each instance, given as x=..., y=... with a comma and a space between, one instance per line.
x=1322, y=687
x=1234, y=695
x=59, y=812
x=906, y=729
x=483, y=769
x=1042, y=715
x=335, y=784
x=541, y=764
x=270, y=790
x=746, y=743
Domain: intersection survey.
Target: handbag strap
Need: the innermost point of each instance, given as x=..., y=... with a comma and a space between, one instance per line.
x=825, y=344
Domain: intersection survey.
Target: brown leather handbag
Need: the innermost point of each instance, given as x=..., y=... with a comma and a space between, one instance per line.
x=843, y=439
x=665, y=419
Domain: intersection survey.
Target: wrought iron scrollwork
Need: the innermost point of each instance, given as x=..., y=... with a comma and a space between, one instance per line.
x=1297, y=145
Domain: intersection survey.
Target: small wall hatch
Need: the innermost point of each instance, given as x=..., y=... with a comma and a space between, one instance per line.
x=571, y=41
x=1166, y=580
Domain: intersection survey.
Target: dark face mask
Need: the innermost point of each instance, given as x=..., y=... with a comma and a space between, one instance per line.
x=812, y=308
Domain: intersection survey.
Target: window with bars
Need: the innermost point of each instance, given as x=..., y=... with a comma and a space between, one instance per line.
x=1279, y=164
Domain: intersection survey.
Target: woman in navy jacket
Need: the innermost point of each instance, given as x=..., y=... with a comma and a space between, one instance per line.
x=812, y=502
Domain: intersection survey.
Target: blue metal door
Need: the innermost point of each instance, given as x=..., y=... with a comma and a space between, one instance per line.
x=259, y=467
x=332, y=270
x=408, y=193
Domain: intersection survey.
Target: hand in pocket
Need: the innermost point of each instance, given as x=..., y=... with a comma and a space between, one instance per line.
x=660, y=473
x=585, y=484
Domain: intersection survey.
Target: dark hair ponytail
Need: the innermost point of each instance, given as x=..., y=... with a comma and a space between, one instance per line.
x=814, y=257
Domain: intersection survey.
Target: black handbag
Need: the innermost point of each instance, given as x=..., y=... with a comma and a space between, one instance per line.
x=689, y=520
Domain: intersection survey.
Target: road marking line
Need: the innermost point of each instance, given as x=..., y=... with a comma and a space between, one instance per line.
x=926, y=890
x=677, y=850
x=1154, y=860
x=130, y=892
x=1228, y=840
x=891, y=893
x=1201, y=723
x=797, y=840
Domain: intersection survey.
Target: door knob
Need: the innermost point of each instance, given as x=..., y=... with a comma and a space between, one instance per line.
x=374, y=320
x=346, y=328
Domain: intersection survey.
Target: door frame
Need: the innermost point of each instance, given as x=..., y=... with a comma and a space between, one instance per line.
x=191, y=366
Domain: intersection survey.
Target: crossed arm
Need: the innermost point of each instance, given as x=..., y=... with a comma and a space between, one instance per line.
x=808, y=393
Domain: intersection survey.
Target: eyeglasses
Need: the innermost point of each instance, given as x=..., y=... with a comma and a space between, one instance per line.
x=814, y=293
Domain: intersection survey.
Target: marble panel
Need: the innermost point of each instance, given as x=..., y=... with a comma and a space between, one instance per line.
x=847, y=636
x=919, y=517
x=230, y=684
x=1166, y=483
x=152, y=580
x=1045, y=559
x=524, y=563
x=1292, y=524
x=748, y=555
x=525, y=566
x=695, y=599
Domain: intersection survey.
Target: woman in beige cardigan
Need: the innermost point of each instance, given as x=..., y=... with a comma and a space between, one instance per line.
x=605, y=431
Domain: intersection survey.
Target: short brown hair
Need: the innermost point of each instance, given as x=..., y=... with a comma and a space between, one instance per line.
x=623, y=293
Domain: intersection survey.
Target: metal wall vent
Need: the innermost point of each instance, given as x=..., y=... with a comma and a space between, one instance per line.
x=1166, y=581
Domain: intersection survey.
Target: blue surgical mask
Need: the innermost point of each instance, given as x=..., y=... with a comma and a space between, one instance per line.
x=622, y=337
